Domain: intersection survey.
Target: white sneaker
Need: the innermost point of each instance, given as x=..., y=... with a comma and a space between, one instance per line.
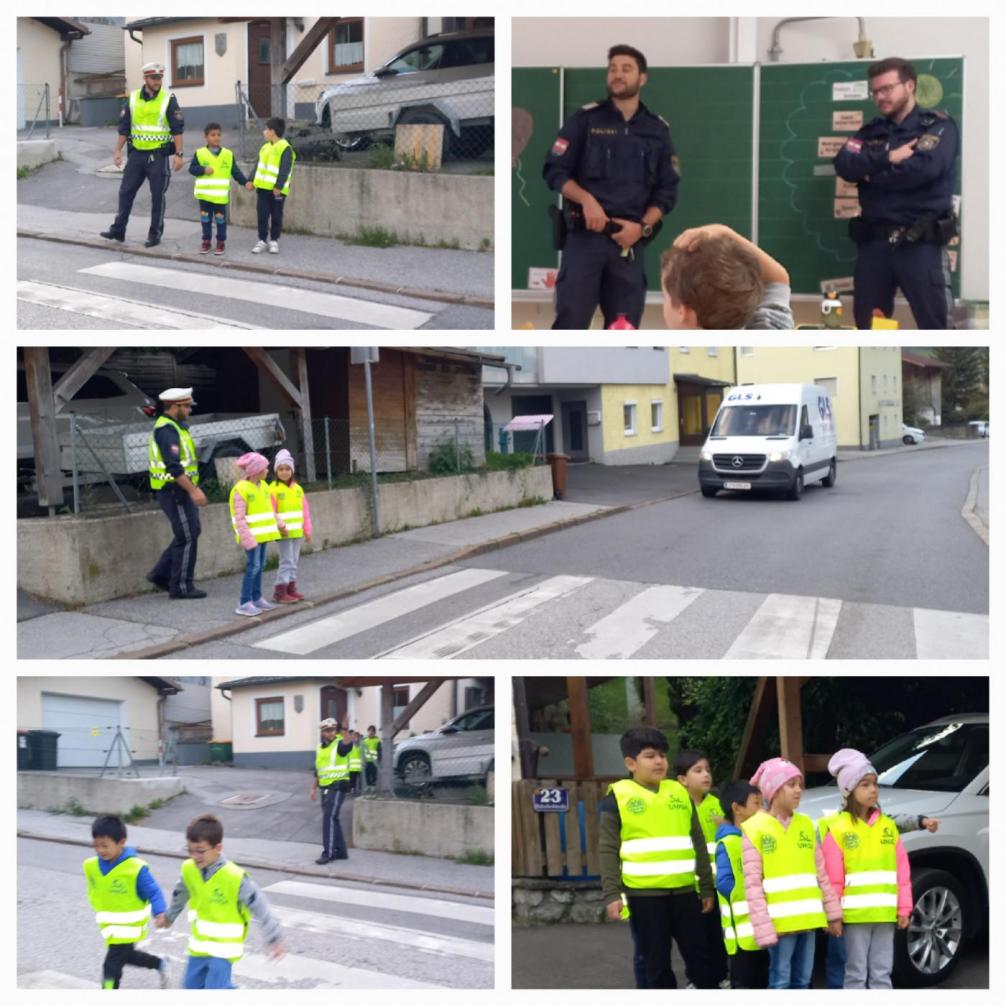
x=248, y=608
x=260, y=246
x=273, y=247
x=263, y=605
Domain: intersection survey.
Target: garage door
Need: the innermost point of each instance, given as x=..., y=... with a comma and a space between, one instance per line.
x=86, y=727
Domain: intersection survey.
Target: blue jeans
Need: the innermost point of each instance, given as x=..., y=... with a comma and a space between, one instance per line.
x=834, y=962
x=208, y=973
x=210, y=212
x=251, y=585
x=791, y=961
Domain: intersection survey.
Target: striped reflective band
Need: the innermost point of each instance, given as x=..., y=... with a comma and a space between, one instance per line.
x=870, y=878
x=784, y=909
x=122, y=932
x=638, y=846
x=792, y=882
x=204, y=182
x=739, y=908
x=227, y=950
x=220, y=930
x=870, y=901
x=267, y=171
x=656, y=869
x=138, y=916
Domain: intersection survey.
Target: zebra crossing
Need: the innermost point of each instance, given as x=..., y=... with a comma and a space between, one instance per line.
x=509, y=615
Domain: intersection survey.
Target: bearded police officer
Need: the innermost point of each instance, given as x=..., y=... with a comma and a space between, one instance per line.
x=615, y=166
x=331, y=775
x=905, y=165
x=152, y=125
x=174, y=476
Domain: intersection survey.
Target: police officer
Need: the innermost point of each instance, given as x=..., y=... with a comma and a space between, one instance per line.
x=152, y=125
x=905, y=164
x=174, y=476
x=614, y=163
x=331, y=775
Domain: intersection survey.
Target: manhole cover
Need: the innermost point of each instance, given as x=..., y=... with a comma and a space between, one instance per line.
x=246, y=799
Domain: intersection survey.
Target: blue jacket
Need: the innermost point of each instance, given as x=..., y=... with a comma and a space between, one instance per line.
x=724, y=871
x=146, y=886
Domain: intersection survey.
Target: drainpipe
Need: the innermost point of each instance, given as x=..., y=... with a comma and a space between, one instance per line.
x=863, y=47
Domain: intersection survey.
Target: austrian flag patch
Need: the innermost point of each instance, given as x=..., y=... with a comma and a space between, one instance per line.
x=560, y=147
x=856, y=146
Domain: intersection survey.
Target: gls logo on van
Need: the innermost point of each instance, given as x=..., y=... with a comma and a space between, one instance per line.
x=742, y=397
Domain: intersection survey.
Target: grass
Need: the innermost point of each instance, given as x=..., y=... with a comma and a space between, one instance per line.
x=475, y=858
x=135, y=814
x=372, y=237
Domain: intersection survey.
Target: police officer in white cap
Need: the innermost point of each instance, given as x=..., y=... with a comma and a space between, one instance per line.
x=152, y=124
x=174, y=477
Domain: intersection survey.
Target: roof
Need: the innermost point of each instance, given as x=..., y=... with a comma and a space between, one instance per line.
x=147, y=22
x=341, y=682
x=456, y=353
x=67, y=27
x=711, y=382
x=918, y=360
x=164, y=686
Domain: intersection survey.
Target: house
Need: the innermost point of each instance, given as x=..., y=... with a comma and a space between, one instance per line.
x=272, y=722
x=43, y=47
x=922, y=380
x=96, y=73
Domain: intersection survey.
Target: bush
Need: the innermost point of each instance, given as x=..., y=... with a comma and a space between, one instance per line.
x=449, y=458
x=496, y=462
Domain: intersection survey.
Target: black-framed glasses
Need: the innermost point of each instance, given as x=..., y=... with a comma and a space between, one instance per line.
x=883, y=92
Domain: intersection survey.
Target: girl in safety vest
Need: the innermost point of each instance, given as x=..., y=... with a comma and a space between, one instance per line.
x=786, y=885
x=213, y=167
x=253, y=516
x=868, y=868
x=290, y=504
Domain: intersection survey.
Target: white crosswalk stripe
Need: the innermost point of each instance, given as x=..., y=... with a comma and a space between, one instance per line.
x=331, y=306
x=950, y=635
x=788, y=627
x=321, y=974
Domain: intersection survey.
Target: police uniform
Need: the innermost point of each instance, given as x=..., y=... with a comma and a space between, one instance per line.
x=331, y=772
x=175, y=569
x=907, y=215
x=147, y=160
x=627, y=166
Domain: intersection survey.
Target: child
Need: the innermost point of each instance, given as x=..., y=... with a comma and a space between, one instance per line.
x=293, y=510
x=748, y=962
x=253, y=515
x=785, y=882
x=693, y=772
x=714, y=278
x=355, y=762
x=123, y=894
x=213, y=167
x=869, y=871
x=272, y=180
x=371, y=757
x=221, y=898
x=651, y=850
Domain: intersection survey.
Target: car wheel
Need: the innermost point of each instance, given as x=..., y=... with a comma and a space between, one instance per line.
x=351, y=141
x=709, y=491
x=906, y=439
x=829, y=480
x=931, y=947
x=415, y=769
x=796, y=489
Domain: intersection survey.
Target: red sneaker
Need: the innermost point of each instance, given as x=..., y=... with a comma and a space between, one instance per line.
x=204, y=248
x=293, y=592
x=219, y=250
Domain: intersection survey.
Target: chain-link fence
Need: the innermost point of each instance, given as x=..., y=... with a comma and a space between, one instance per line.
x=85, y=747
x=33, y=111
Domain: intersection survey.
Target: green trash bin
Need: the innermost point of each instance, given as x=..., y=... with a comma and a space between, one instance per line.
x=221, y=752
x=42, y=750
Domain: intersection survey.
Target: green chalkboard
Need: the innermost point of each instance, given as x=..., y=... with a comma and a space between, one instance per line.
x=796, y=187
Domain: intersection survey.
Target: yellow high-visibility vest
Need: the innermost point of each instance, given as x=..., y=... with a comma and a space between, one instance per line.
x=122, y=915
x=871, y=866
x=215, y=188
x=259, y=513
x=188, y=459
x=267, y=171
x=290, y=506
x=148, y=120
x=734, y=913
x=218, y=922
x=329, y=765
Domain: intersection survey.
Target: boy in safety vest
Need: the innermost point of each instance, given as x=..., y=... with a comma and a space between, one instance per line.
x=293, y=510
x=691, y=768
x=213, y=167
x=748, y=962
x=371, y=756
x=123, y=894
x=355, y=761
x=221, y=898
x=272, y=184
x=253, y=516
x=868, y=868
x=651, y=851
x=789, y=896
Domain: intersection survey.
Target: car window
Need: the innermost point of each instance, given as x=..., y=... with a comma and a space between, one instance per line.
x=468, y=52
x=423, y=57
x=754, y=421
x=482, y=720
x=943, y=758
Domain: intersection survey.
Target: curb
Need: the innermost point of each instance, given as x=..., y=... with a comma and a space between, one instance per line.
x=442, y=296
x=262, y=864
x=969, y=510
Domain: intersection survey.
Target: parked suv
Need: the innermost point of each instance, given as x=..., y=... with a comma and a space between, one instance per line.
x=446, y=79
x=461, y=749
x=937, y=770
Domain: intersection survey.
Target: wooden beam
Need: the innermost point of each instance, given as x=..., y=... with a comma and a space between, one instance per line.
x=272, y=370
x=277, y=57
x=315, y=34
x=48, y=475
x=649, y=702
x=579, y=724
x=299, y=357
x=522, y=720
x=416, y=703
x=790, y=720
x=78, y=375
x=758, y=717
x=386, y=766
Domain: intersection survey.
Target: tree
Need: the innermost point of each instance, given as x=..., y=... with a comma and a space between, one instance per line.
x=965, y=380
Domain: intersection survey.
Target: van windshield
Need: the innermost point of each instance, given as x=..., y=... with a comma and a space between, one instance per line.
x=755, y=421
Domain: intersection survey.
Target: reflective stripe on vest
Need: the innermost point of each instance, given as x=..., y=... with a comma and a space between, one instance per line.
x=329, y=765
x=267, y=170
x=218, y=923
x=120, y=912
x=290, y=507
x=370, y=745
x=188, y=459
x=871, y=867
x=789, y=872
x=259, y=514
x=734, y=913
x=148, y=120
x=215, y=188
x=355, y=760
x=656, y=848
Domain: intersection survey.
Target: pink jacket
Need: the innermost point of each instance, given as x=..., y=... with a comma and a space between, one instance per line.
x=240, y=515
x=834, y=862
x=764, y=931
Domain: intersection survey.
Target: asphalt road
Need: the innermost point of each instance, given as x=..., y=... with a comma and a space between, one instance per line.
x=337, y=934
x=880, y=566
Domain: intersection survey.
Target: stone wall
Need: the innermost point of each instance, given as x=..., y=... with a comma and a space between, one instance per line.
x=423, y=826
x=549, y=902
x=57, y=790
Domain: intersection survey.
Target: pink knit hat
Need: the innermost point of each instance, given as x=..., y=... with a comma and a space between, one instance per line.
x=849, y=767
x=253, y=463
x=283, y=457
x=772, y=774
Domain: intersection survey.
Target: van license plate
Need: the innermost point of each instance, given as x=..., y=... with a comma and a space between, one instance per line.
x=736, y=485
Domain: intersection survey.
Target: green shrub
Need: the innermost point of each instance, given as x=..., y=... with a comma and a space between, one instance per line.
x=449, y=458
x=496, y=462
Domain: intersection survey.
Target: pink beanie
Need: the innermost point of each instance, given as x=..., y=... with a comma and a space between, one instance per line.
x=253, y=463
x=772, y=774
x=283, y=457
x=849, y=767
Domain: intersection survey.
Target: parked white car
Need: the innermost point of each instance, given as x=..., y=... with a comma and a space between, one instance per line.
x=462, y=748
x=938, y=770
x=912, y=434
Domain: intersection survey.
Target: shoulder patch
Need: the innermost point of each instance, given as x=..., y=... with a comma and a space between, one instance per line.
x=928, y=141
x=589, y=106
x=854, y=146
x=940, y=114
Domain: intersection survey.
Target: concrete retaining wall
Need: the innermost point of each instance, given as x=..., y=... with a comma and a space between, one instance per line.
x=77, y=560
x=33, y=153
x=56, y=790
x=432, y=829
x=547, y=902
x=419, y=207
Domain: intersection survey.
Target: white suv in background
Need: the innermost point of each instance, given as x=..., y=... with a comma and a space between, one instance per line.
x=462, y=748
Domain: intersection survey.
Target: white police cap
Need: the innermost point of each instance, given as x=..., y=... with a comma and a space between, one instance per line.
x=153, y=68
x=174, y=395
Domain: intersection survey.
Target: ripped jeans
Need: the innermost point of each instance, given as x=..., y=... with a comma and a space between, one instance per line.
x=210, y=212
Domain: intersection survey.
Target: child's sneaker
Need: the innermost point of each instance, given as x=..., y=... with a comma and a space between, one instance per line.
x=273, y=247
x=219, y=250
x=163, y=974
x=204, y=247
x=260, y=246
x=263, y=605
x=248, y=608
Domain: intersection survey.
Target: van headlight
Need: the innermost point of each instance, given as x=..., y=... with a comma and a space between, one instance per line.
x=779, y=456
x=706, y=455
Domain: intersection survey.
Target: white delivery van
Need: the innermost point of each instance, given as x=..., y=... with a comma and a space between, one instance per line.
x=770, y=437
